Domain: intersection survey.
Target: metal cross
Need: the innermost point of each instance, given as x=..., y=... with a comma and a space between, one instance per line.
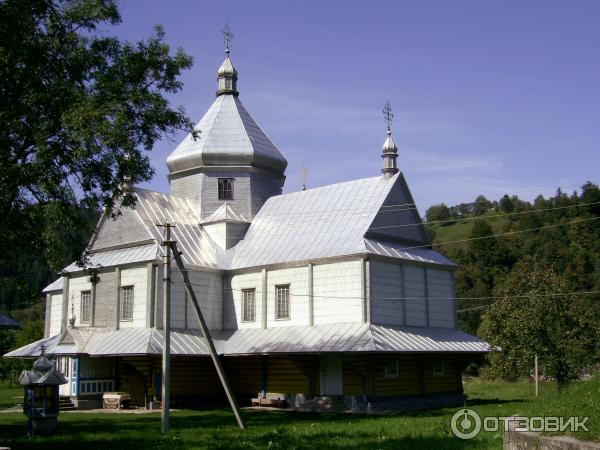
x=228, y=36
x=388, y=115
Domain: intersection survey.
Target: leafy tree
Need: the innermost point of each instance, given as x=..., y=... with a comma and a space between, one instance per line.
x=533, y=317
x=481, y=205
x=437, y=213
x=80, y=110
x=505, y=204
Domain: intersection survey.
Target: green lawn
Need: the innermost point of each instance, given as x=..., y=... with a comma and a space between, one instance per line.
x=461, y=229
x=283, y=430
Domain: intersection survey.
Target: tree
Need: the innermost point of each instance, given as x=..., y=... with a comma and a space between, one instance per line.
x=481, y=205
x=505, y=204
x=534, y=316
x=437, y=213
x=79, y=112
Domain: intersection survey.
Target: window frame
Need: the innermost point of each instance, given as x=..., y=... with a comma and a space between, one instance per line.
x=225, y=194
x=246, y=318
x=286, y=288
x=436, y=366
x=122, y=290
x=87, y=318
x=391, y=369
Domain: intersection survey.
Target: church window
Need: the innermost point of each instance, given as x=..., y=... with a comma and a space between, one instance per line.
x=391, y=369
x=127, y=303
x=248, y=305
x=86, y=306
x=439, y=368
x=225, y=188
x=282, y=299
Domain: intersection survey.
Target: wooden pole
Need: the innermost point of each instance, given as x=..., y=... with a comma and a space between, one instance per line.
x=537, y=378
x=211, y=346
x=166, y=360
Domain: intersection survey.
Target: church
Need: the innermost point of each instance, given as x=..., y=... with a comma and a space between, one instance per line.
x=327, y=296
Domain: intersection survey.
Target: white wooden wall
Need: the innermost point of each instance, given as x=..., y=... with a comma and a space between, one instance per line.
x=208, y=287
x=56, y=302
x=440, y=289
x=386, y=291
x=138, y=278
x=76, y=285
x=338, y=293
x=415, y=292
x=233, y=300
x=297, y=278
x=428, y=295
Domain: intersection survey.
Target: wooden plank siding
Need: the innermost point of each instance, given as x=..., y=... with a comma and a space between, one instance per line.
x=365, y=375
x=294, y=374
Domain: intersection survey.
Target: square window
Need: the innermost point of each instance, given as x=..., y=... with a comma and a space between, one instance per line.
x=439, y=368
x=127, y=303
x=225, y=188
x=391, y=369
x=282, y=301
x=248, y=305
x=86, y=307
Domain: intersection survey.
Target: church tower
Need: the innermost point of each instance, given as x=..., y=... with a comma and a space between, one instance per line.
x=232, y=167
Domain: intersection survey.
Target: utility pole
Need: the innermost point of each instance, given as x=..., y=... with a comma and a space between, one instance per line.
x=537, y=378
x=209, y=342
x=166, y=360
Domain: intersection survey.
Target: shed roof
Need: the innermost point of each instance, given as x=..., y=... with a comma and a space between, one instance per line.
x=56, y=285
x=7, y=322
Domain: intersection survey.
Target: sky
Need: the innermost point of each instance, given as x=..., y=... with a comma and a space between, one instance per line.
x=489, y=97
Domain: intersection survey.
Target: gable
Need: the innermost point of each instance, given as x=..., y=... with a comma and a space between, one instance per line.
x=398, y=218
x=126, y=228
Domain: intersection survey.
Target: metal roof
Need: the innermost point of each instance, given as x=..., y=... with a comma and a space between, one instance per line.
x=197, y=246
x=342, y=337
x=117, y=257
x=225, y=213
x=407, y=252
x=56, y=285
x=229, y=136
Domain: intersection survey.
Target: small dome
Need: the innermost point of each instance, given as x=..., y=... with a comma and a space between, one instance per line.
x=43, y=364
x=227, y=69
x=389, y=146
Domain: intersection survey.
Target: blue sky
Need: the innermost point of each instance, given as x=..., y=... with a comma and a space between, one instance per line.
x=489, y=97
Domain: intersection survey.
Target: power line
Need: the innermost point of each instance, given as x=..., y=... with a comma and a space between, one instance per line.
x=565, y=294
x=487, y=216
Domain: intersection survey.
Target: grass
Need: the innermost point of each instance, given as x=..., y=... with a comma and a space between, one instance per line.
x=284, y=430
x=461, y=229
x=10, y=395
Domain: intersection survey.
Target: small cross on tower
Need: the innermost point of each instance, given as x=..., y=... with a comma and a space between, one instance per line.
x=227, y=36
x=388, y=115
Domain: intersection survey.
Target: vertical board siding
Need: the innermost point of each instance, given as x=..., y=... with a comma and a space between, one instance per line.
x=189, y=187
x=297, y=278
x=415, y=292
x=386, y=293
x=337, y=290
x=56, y=303
x=105, y=303
x=261, y=189
x=208, y=287
x=138, y=278
x=245, y=375
x=241, y=193
x=440, y=289
x=233, y=300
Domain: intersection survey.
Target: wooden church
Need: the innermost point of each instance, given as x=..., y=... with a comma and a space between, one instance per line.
x=326, y=295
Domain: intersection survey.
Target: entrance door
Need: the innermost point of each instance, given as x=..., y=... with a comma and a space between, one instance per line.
x=331, y=374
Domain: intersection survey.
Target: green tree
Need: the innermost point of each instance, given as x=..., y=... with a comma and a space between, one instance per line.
x=534, y=316
x=437, y=213
x=481, y=205
x=79, y=112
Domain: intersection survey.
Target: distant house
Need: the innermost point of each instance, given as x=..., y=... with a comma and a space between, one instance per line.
x=7, y=322
x=327, y=293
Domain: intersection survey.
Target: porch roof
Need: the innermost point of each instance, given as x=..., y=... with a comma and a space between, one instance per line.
x=343, y=337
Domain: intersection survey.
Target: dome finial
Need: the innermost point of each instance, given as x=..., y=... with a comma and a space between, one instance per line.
x=390, y=151
x=227, y=37
x=227, y=74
